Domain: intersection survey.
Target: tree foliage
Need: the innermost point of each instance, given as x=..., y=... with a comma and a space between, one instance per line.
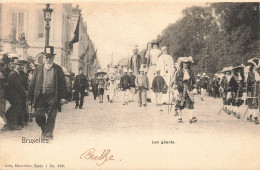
x=219, y=35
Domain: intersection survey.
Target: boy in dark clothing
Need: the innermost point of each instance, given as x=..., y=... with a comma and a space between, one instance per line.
x=158, y=86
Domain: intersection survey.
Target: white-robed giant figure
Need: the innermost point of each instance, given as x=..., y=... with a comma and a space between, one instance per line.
x=166, y=65
x=152, y=59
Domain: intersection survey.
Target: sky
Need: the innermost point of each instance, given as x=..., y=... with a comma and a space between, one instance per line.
x=116, y=27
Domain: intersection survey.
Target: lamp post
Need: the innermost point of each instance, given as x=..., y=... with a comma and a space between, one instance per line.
x=47, y=17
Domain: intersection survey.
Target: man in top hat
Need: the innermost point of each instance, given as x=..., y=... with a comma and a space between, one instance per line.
x=166, y=65
x=125, y=82
x=132, y=85
x=253, y=90
x=136, y=61
x=16, y=95
x=80, y=85
x=47, y=89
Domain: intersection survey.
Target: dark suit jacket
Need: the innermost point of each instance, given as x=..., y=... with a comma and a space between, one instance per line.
x=81, y=83
x=138, y=62
x=37, y=82
x=16, y=91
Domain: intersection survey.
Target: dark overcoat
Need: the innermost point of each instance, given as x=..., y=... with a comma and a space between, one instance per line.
x=16, y=91
x=36, y=83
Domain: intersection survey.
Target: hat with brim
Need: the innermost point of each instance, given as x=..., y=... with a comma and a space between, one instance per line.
x=130, y=71
x=135, y=47
x=100, y=71
x=18, y=62
x=227, y=69
x=49, y=51
x=141, y=69
x=185, y=59
x=155, y=42
x=13, y=55
x=254, y=61
x=242, y=66
x=6, y=59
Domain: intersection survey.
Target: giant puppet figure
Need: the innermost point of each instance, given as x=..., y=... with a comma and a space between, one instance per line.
x=185, y=83
x=166, y=65
x=152, y=56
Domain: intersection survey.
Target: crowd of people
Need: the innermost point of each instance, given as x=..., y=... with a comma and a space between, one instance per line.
x=40, y=90
x=156, y=78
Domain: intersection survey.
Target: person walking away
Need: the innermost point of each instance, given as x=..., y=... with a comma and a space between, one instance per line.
x=80, y=85
x=46, y=91
x=125, y=86
x=68, y=86
x=142, y=84
x=159, y=87
x=185, y=81
x=132, y=86
x=94, y=87
x=16, y=96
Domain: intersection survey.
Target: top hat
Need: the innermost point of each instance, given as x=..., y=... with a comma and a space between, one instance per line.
x=6, y=59
x=49, y=51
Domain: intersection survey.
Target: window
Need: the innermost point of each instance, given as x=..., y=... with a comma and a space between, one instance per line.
x=18, y=22
x=40, y=25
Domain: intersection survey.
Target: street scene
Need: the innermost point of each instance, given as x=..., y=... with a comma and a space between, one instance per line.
x=129, y=132
x=109, y=85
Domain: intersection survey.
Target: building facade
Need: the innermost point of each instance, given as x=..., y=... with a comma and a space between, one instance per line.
x=28, y=18
x=83, y=53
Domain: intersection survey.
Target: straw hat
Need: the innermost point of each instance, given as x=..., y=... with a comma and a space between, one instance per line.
x=226, y=69
x=100, y=71
x=185, y=59
x=254, y=61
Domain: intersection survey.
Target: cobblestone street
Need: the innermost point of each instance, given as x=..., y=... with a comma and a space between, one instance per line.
x=131, y=130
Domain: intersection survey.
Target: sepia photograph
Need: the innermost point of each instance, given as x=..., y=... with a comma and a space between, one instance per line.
x=121, y=84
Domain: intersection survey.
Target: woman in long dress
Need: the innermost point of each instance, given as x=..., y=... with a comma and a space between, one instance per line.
x=152, y=56
x=166, y=65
